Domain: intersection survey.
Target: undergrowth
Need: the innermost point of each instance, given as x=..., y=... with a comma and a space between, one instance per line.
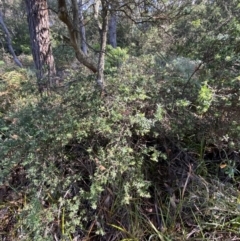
x=153, y=160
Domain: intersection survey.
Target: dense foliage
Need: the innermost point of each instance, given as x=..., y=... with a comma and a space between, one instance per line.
x=155, y=158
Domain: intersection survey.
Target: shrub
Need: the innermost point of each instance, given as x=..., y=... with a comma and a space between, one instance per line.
x=90, y=166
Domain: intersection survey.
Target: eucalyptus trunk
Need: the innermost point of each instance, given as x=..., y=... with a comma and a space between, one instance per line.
x=82, y=28
x=103, y=30
x=112, y=30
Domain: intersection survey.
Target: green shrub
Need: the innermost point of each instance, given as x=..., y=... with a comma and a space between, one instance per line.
x=91, y=164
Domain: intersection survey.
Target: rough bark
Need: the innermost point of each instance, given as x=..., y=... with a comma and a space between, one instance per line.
x=82, y=28
x=37, y=11
x=73, y=36
x=8, y=40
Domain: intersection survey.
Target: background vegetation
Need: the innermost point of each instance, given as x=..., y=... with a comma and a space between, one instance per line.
x=156, y=158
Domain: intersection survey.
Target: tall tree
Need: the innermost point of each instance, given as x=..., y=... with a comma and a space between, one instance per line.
x=38, y=22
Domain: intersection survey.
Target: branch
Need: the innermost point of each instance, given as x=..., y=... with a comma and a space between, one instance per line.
x=65, y=18
x=9, y=42
x=193, y=73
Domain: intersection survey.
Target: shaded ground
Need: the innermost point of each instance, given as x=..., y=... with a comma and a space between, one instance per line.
x=182, y=201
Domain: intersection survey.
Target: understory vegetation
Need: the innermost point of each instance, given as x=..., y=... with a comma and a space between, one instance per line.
x=156, y=158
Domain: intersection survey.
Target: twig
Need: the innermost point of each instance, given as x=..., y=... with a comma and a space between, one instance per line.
x=186, y=182
x=189, y=79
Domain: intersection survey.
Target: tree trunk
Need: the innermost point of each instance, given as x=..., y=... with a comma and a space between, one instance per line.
x=103, y=29
x=82, y=27
x=75, y=21
x=112, y=30
x=8, y=39
x=73, y=37
x=37, y=12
